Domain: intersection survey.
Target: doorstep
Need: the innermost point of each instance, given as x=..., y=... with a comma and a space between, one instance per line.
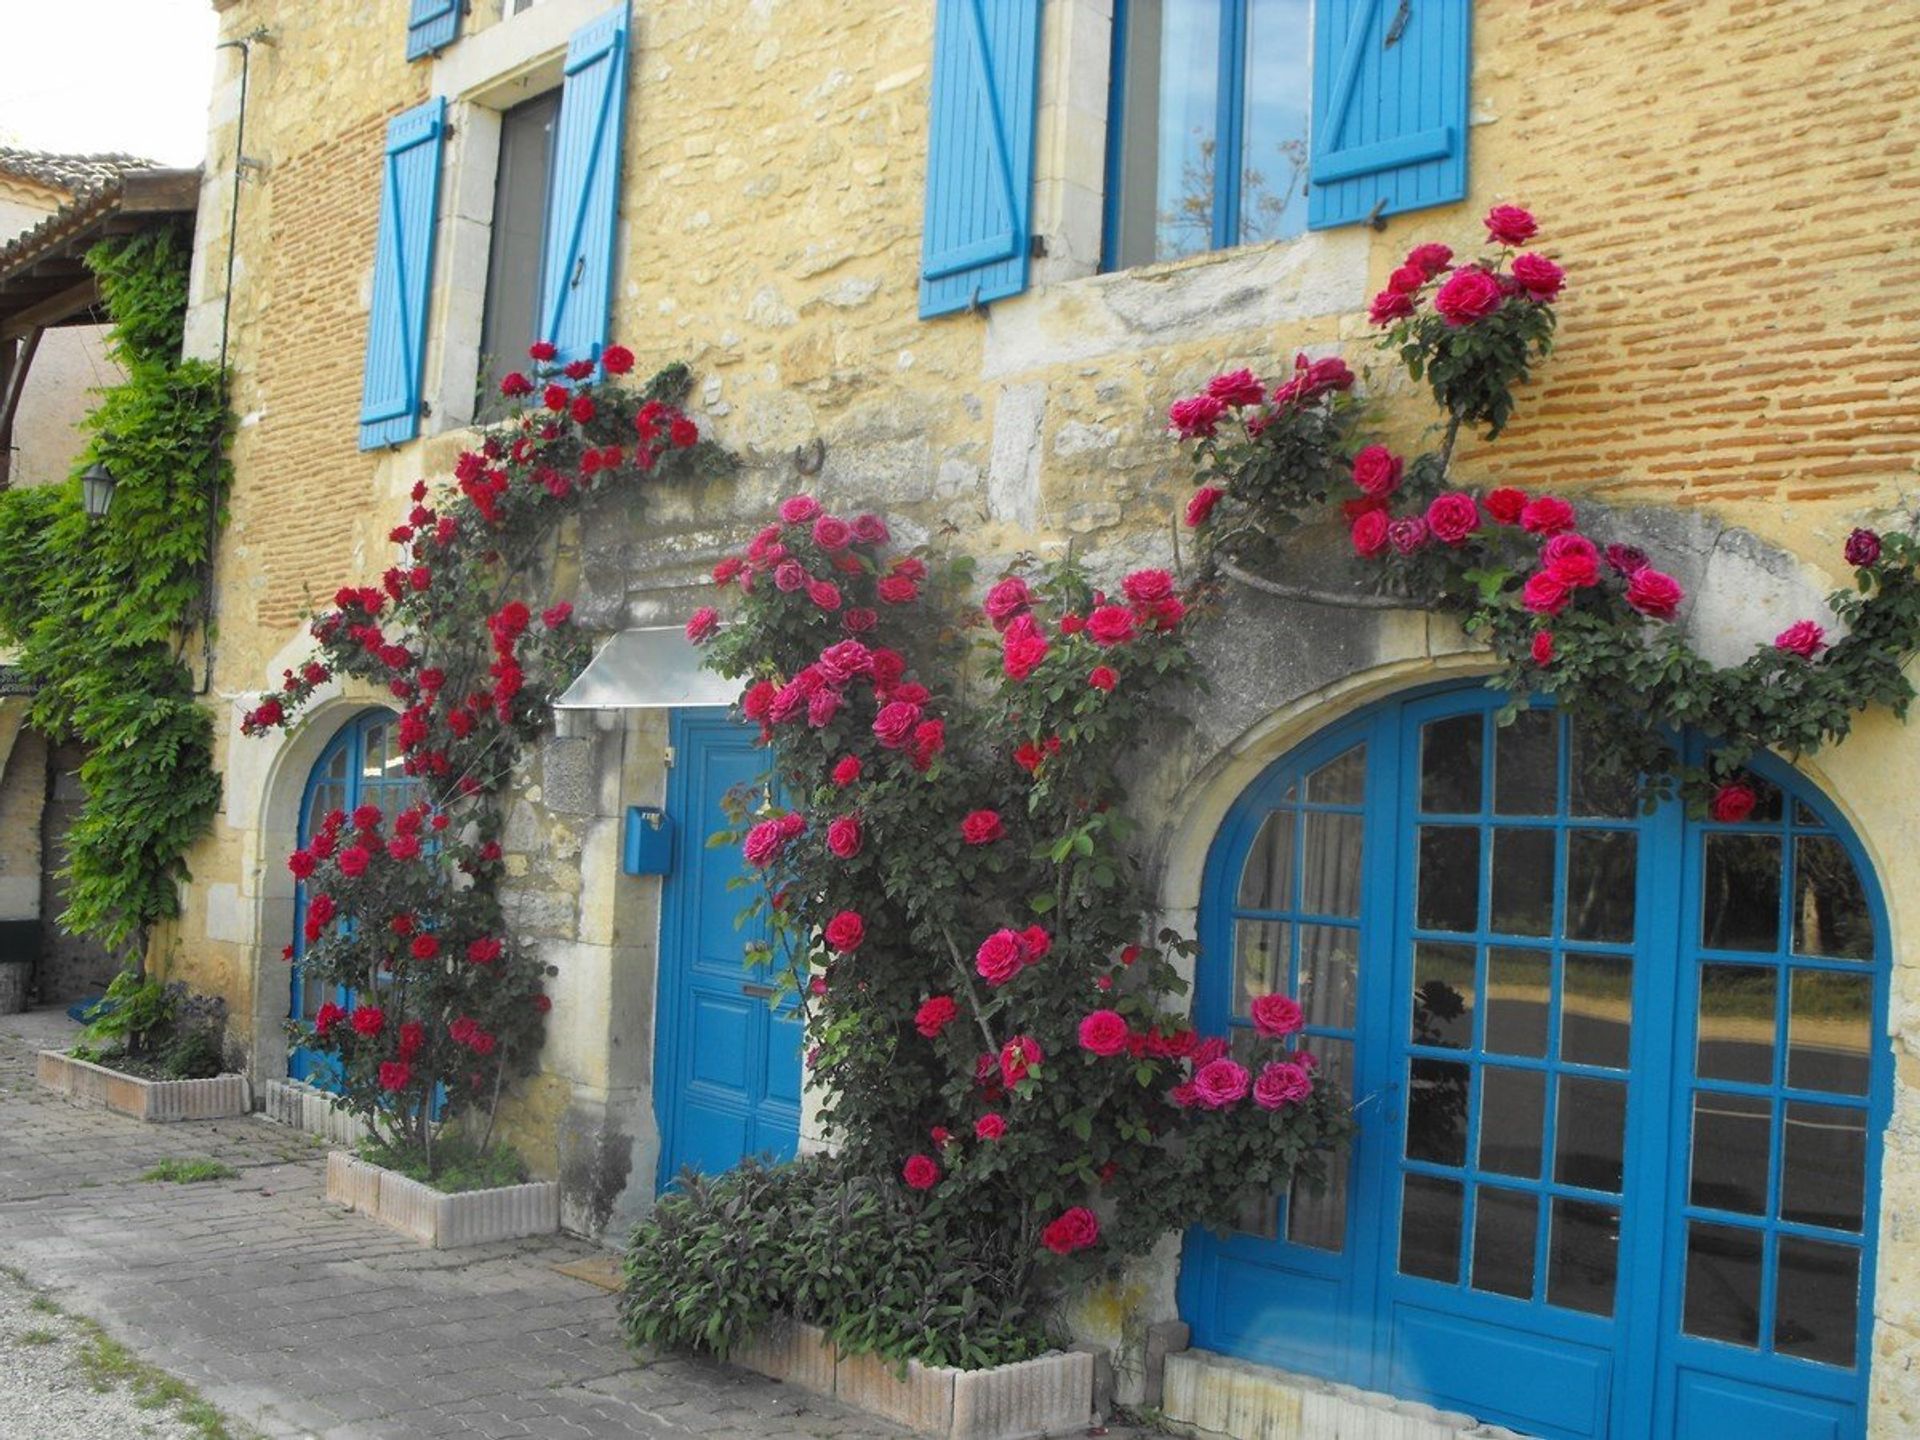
x=86, y=1083
x=1048, y=1395
x=445, y=1222
x=1213, y=1394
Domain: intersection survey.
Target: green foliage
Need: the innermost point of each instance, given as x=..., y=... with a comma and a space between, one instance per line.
x=158, y=1026
x=822, y=1242
x=456, y=1165
x=189, y=1172
x=100, y=609
x=132, y=1014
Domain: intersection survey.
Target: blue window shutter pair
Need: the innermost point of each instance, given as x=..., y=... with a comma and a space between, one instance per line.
x=979, y=200
x=403, y=269
x=583, y=202
x=1389, y=107
x=431, y=25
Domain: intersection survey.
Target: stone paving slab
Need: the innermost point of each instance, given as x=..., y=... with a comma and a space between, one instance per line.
x=306, y=1321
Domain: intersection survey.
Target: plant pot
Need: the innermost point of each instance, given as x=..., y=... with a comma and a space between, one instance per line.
x=86, y=1083
x=445, y=1222
x=1048, y=1395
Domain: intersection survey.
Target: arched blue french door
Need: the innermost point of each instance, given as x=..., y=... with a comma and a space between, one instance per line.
x=362, y=765
x=1620, y=1078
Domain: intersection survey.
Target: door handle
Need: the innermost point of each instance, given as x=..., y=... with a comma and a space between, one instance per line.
x=758, y=992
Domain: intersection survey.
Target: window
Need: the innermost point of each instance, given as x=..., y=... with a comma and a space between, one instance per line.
x=1210, y=107
x=517, y=246
x=1619, y=1078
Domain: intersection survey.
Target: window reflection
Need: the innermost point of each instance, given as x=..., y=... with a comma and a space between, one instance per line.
x=1266, y=880
x=1526, y=776
x=1737, y=1023
x=1830, y=915
x=1741, y=901
x=1443, y=991
x=1829, y=1032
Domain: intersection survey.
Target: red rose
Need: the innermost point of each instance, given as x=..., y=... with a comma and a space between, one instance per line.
x=1626, y=559
x=843, y=836
x=845, y=931
x=1468, y=295
x=394, y=1075
x=1103, y=677
x=581, y=409
x=1276, y=1015
x=1237, y=388
x=1431, y=258
x=1732, y=803
x=847, y=771
x=1506, y=504
x=368, y=1020
x=542, y=1003
x=1377, y=471
x=1802, y=638
x=703, y=625
x=1076, y=1229
x=1548, y=515
x=1573, y=559
x=1195, y=417
x=1023, y=647
x=1370, y=533
x=1545, y=593
x=935, y=1015
x=894, y=723
x=1510, y=225
x=1407, y=280
x=542, y=350
x=1220, y=1083
x=485, y=950
x=1018, y=1057
x=1000, y=956
x=1543, y=647
x=555, y=397
x=616, y=359
x=401, y=924
x=326, y=1017
x=1654, y=594
x=898, y=590
x=425, y=947
x=301, y=863
x=1104, y=1032
x=1863, y=549
x=554, y=616
x=1453, y=516
x=982, y=827
x=412, y=1036
x=1538, y=276
x=513, y=385
x=990, y=1126
x=683, y=432
x=1039, y=942
x=1388, y=306
x=1202, y=503
x=1110, y=625
x=920, y=1172
x=354, y=860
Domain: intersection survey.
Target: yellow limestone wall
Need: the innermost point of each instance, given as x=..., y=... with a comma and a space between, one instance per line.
x=1731, y=185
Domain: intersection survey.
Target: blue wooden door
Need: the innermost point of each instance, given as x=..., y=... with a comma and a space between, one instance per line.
x=727, y=1062
x=1614, y=1073
x=362, y=765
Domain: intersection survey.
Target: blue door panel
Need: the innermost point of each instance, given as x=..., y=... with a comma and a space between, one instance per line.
x=722, y=1032
x=1502, y=1374
x=1712, y=1407
x=785, y=1037
x=1274, y=1316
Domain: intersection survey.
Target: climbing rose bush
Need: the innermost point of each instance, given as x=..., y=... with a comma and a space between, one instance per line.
x=951, y=886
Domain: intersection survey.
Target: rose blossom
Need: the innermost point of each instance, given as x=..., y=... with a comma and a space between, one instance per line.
x=845, y=931
x=1732, y=803
x=1802, y=638
x=790, y=575
x=1510, y=225
x=832, y=534
x=1654, y=594
x=1195, y=417
x=1377, y=470
x=895, y=723
x=1201, y=505
x=1626, y=559
x=1281, y=1083
x=1110, y=625
x=1407, y=279
x=368, y=1019
x=1388, y=306
x=764, y=843
x=1863, y=548
x=1075, y=1229
x=1543, y=647
x=990, y=1126
x=920, y=1172
x=1237, y=388
x=799, y=509
x=1370, y=533
x=1547, y=515
x=1147, y=587
x=935, y=1015
x=822, y=706
x=1017, y=1057
x=1453, y=516
x=843, y=836
x=1220, y=1083
x=1538, y=276
x=1006, y=600
x=1432, y=258
x=1103, y=677
x=1000, y=956
x=1506, y=504
x=703, y=625
x=982, y=827
x=1023, y=647
x=1104, y=1032
x=839, y=663
x=1545, y=593
x=1468, y=295
x=1276, y=1015
x=1571, y=559
x=1407, y=534
x=870, y=530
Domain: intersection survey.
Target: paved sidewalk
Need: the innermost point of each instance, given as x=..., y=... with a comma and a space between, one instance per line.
x=302, y=1320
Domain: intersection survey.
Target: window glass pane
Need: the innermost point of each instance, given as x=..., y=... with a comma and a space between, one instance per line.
x=1512, y=1110
x=1317, y=1216
x=1741, y=901
x=1583, y=1255
x=1443, y=987
x=516, y=246
x=1723, y=1283
x=1437, y=1096
x=1266, y=882
x=1596, y=791
x=1596, y=1009
x=1450, y=765
x=1430, y=1228
x=1341, y=781
x=1504, y=1224
x=1330, y=867
x=1601, y=868
x=1169, y=121
x=1449, y=877
x=1273, y=168
x=1519, y=985
x=1830, y=915
x=1522, y=882
x=1590, y=1138
x=1829, y=1032
x=373, y=754
x=1823, y=1178
x=1817, y=1307
x=1736, y=1023
x=1329, y=959
x=1262, y=963
x=1731, y=1142
x=1526, y=771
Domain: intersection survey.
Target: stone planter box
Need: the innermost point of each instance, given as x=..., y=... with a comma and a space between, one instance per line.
x=445, y=1222
x=85, y=1083
x=1046, y=1396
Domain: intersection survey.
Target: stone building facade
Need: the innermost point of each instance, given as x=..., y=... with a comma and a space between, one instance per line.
x=1738, y=382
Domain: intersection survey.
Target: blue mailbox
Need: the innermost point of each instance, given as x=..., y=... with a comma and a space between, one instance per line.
x=649, y=848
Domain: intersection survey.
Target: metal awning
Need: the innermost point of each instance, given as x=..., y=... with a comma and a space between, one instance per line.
x=653, y=667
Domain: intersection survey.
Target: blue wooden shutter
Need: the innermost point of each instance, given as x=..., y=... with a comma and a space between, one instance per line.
x=979, y=204
x=1389, y=107
x=584, y=194
x=431, y=25
x=403, y=269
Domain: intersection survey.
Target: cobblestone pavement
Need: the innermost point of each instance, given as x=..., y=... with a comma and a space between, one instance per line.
x=300, y=1319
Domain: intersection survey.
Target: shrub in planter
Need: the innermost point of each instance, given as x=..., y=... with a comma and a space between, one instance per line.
x=155, y=1029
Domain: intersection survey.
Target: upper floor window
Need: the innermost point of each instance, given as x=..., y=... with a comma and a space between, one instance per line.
x=1210, y=109
x=522, y=182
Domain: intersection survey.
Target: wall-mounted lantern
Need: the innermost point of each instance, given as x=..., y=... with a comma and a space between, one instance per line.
x=96, y=490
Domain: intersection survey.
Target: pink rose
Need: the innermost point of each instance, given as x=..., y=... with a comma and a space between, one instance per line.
x=1431, y=258
x=822, y=706
x=1195, y=417
x=1389, y=306
x=1545, y=593
x=845, y=931
x=764, y=843
x=1510, y=225
x=1802, y=638
x=1377, y=470
x=1023, y=647
x=846, y=771
x=704, y=625
x=1453, y=516
x=1572, y=559
x=1104, y=1032
x=1370, y=533
x=1103, y=677
x=1202, y=503
x=1282, y=1083
x=1236, y=389
x=824, y=593
x=1468, y=295
x=1110, y=624
x=1407, y=534
x=832, y=534
x=843, y=836
x=1006, y=600
x=1538, y=276
x=990, y=1126
x=1547, y=515
x=840, y=663
x=1407, y=279
x=790, y=575
x=1000, y=956
x=799, y=509
x=1220, y=1083
x=1148, y=587
x=1654, y=594
x=895, y=723
x=1277, y=1015
x=1626, y=559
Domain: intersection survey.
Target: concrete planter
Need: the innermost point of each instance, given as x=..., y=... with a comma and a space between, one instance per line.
x=85, y=1083
x=1217, y=1395
x=445, y=1222
x=305, y=1107
x=1008, y=1402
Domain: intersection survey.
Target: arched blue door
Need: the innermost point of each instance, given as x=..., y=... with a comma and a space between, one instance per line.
x=362, y=765
x=1619, y=1077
